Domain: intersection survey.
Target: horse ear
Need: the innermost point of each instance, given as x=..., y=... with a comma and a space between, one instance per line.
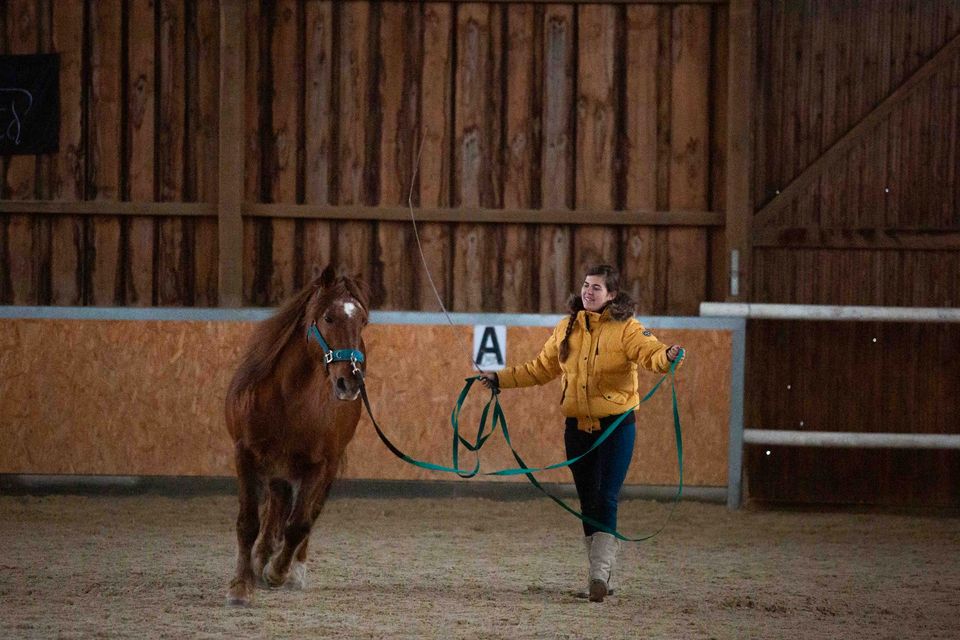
x=326, y=278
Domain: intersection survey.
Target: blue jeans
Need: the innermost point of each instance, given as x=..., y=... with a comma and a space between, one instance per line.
x=599, y=476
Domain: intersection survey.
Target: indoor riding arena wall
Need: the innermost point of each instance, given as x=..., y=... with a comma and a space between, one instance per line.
x=145, y=398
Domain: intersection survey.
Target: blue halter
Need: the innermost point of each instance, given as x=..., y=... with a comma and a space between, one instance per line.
x=340, y=355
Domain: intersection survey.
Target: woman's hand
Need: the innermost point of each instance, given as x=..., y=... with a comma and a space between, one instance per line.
x=490, y=380
x=673, y=352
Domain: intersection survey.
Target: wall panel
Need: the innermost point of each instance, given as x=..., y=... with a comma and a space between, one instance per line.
x=521, y=106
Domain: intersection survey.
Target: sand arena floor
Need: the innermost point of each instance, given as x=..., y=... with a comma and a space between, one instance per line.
x=157, y=567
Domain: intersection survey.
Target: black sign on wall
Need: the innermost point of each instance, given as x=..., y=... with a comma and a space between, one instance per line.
x=30, y=104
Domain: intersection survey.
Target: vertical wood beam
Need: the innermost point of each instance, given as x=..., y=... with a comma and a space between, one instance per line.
x=231, y=151
x=740, y=99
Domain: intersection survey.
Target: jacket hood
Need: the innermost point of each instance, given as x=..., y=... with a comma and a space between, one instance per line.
x=621, y=307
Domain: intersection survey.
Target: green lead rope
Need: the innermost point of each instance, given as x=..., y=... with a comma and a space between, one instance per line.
x=499, y=420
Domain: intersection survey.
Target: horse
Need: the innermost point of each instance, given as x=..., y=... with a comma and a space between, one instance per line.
x=291, y=409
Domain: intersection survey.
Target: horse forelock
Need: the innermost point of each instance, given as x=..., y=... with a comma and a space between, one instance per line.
x=343, y=287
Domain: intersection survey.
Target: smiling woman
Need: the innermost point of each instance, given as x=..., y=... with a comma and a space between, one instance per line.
x=596, y=350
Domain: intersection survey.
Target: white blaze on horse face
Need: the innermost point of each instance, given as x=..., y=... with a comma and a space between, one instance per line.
x=349, y=308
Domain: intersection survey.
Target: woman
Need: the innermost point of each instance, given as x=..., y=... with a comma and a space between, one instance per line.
x=597, y=350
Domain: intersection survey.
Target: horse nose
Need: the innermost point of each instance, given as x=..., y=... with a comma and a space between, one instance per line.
x=347, y=389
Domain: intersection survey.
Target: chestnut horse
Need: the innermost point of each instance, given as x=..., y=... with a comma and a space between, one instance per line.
x=291, y=409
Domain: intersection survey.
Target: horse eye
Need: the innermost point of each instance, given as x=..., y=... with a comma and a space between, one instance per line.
x=327, y=319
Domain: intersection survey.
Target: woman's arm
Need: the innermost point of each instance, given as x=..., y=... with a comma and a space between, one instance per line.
x=541, y=370
x=642, y=347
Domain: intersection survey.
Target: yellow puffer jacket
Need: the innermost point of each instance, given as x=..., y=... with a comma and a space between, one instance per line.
x=600, y=372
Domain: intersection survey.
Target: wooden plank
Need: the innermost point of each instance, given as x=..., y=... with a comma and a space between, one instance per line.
x=435, y=152
x=105, y=275
x=316, y=247
x=786, y=135
x=256, y=114
x=286, y=80
x=141, y=101
x=762, y=108
x=689, y=166
x=664, y=66
x=205, y=123
x=597, y=104
x=476, y=248
x=474, y=215
x=66, y=237
x=559, y=74
x=718, y=283
x=520, y=185
x=23, y=269
x=475, y=182
x=953, y=202
x=814, y=115
x=640, y=130
x=354, y=73
x=318, y=126
x=109, y=207
x=611, y=2
x=203, y=126
x=68, y=41
x=252, y=294
x=521, y=163
x=22, y=37
x=318, y=92
x=20, y=172
x=139, y=231
x=853, y=137
x=45, y=162
x=798, y=51
x=253, y=116
x=940, y=128
x=354, y=239
x=336, y=212
x=557, y=180
x=172, y=287
x=857, y=238
x=104, y=107
x=399, y=94
x=231, y=154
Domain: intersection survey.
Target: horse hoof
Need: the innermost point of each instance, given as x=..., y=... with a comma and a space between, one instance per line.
x=297, y=579
x=239, y=594
x=271, y=577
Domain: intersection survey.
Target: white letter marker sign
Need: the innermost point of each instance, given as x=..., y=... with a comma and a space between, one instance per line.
x=490, y=347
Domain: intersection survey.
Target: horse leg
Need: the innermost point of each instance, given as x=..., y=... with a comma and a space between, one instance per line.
x=275, y=512
x=248, y=524
x=316, y=483
x=297, y=579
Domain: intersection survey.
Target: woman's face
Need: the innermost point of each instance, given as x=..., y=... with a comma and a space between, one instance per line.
x=594, y=293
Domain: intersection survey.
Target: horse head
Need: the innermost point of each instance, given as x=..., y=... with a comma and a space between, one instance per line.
x=335, y=316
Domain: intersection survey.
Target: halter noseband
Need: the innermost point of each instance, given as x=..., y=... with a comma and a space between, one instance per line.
x=352, y=356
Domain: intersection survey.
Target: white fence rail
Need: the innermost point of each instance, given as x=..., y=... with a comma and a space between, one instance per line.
x=740, y=436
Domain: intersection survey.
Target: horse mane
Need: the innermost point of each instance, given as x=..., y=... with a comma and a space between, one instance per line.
x=273, y=334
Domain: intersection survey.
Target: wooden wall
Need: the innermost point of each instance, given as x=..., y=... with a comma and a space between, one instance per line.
x=857, y=158
x=517, y=106
x=857, y=190
x=145, y=397
x=138, y=92
x=561, y=114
